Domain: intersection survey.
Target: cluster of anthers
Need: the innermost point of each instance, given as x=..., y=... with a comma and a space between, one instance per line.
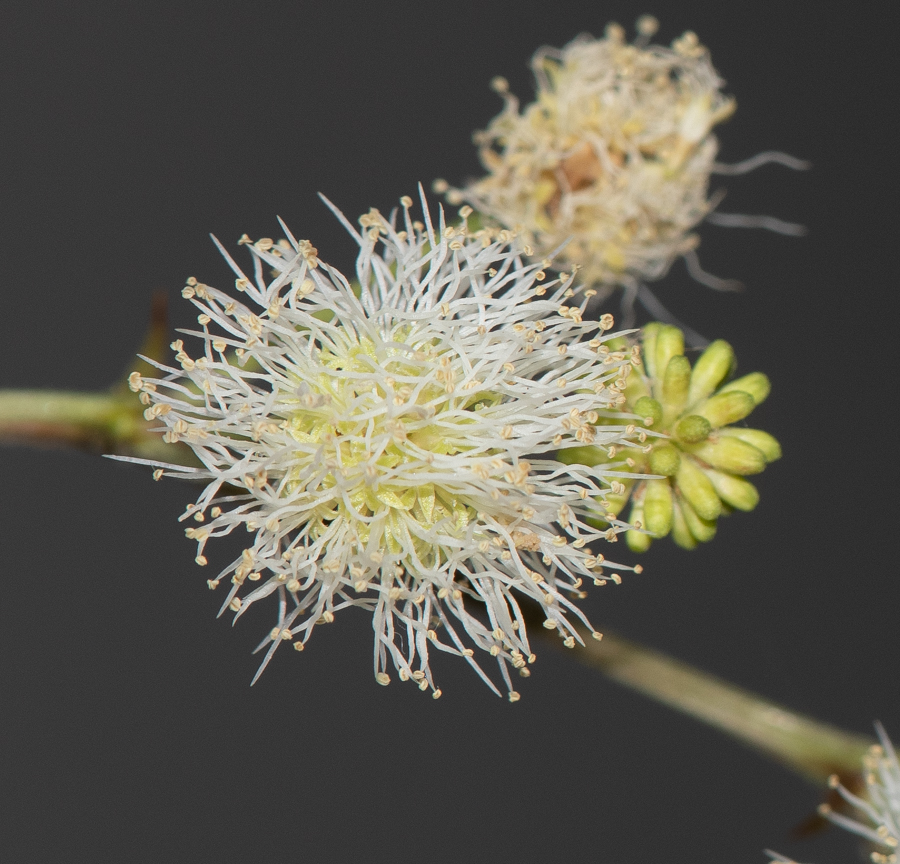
x=614, y=155
x=390, y=442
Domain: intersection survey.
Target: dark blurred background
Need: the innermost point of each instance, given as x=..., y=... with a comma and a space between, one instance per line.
x=128, y=131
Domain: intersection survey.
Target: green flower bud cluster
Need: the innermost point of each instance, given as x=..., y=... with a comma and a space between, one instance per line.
x=700, y=456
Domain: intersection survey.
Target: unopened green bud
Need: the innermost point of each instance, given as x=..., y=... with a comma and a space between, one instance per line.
x=703, y=529
x=734, y=491
x=658, y=507
x=730, y=454
x=723, y=409
x=664, y=460
x=756, y=384
x=698, y=491
x=681, y=534
x=649, y=334
x=649, y=409
x=675, y=385
x=637, y=541
x=615, y=503
x=669, y=342
x=693, y=429
x=764, y=442
x=710, y=370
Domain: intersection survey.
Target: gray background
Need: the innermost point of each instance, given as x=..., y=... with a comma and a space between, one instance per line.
x=129, y=732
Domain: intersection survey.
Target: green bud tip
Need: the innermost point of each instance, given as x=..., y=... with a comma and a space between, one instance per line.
x=675, y=385
x=669, y=342
x=693, y=429
x=730, y=454
x=649, y=409
x=755, y=384
x=726, y=408
x=710, y=370
x=664, y=459
x=658, y=507
x=698, y=491
x=764, y=442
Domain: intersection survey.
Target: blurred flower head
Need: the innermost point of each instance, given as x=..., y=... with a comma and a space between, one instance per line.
x=699, y=457
x=613, y=156
x=878, y=808
x=388, y=443
x=881, y=805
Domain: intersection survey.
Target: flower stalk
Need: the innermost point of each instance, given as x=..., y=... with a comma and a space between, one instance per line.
x=109, y=422
x=106, y=422
x=813, y=749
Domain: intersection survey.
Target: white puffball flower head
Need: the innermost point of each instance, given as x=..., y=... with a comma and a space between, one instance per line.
x=388, y=442
x=615, y=153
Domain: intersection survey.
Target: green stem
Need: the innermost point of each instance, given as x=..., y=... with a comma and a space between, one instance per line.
x=813, y=749
x=110, y=423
